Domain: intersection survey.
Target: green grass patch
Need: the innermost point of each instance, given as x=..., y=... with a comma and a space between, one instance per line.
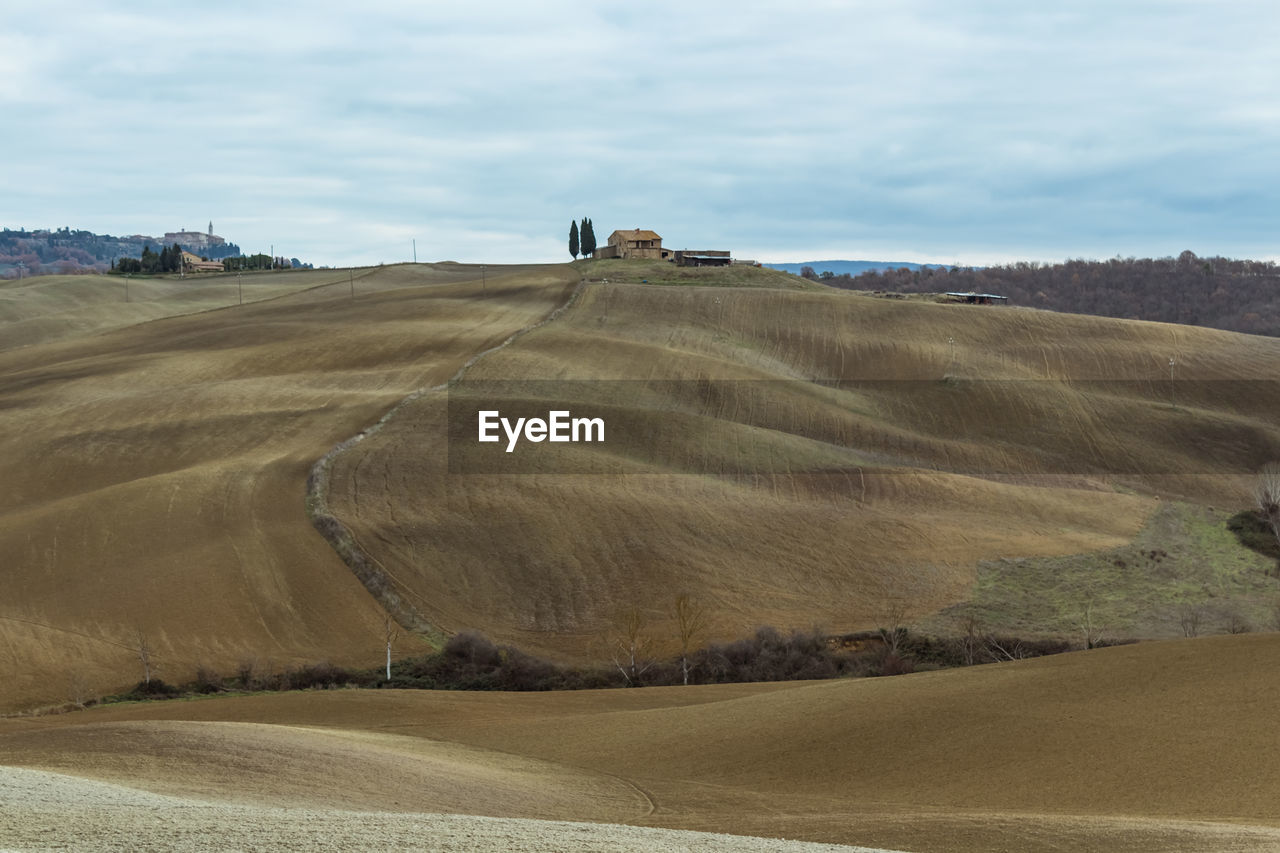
x=1186, y=573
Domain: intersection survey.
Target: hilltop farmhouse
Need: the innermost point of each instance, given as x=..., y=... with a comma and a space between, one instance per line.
x=640, y=243
x=636, y=243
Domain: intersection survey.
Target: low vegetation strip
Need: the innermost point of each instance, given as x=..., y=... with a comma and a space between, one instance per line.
x=470, y=661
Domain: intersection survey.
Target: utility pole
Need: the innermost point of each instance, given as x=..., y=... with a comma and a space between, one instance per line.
x=415, y=250
x=273, y=257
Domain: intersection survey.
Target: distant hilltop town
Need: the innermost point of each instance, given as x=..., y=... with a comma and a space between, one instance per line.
x=193, y=240
x=68, y=252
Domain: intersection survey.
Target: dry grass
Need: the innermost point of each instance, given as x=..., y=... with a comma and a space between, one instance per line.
x=45, y=308
x=154, y=475
x=154, y=472
x=876, y=427
x=1162, y=746
x=38, y=809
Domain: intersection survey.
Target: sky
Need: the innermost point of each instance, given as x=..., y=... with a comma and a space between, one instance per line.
x=949, y=131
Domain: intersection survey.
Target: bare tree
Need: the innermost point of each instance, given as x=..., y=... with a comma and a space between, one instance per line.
x=1266, y=492
x=1237, y=624
x=1091, y=631
x=971, y=643
x=391, y=634
x=691, y=621
x=631, y=645
x=1007, y=650
x=892, y=628
x=78, y=687
x=146, y=654
x=247, y=672
x=1189, y=617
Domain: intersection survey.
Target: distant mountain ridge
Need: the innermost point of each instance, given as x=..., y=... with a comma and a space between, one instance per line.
x=852, y=267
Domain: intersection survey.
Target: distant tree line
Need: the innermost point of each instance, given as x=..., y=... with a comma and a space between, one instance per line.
x=1221, y=293
x=582, y=239
x=167, y=260
x=262, y=261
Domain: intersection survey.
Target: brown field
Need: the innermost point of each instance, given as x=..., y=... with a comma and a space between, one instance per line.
x=44, y=308
x=1157, y=747
x=876, y=443
x=155, y=474
x=788, y=456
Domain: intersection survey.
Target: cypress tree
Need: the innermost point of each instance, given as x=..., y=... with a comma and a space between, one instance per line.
x=573, y=239
x=588, y=238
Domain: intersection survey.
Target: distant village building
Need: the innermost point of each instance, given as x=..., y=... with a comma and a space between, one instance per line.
x=194, y=239
x=193, y=263
x=637, y=243
x=703, y=258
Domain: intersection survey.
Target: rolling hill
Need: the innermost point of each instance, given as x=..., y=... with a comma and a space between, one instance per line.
x=799, y=458
x=155, y=471
x=1158, y=747
x=785, y=453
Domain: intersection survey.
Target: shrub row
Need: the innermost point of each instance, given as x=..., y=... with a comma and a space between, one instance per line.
x=470, y=661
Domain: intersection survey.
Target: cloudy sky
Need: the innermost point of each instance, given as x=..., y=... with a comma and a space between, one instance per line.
x=969, y=131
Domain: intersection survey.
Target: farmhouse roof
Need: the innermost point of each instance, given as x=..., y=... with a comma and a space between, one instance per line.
x=636, y=234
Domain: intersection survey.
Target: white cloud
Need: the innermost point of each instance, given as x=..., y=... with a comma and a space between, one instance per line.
x=939, y=129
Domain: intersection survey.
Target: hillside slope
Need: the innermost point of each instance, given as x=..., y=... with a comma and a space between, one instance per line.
x=785, y=456
x=1158, y=747
x=155, y=474
x=795, y=458
x=47, y=308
